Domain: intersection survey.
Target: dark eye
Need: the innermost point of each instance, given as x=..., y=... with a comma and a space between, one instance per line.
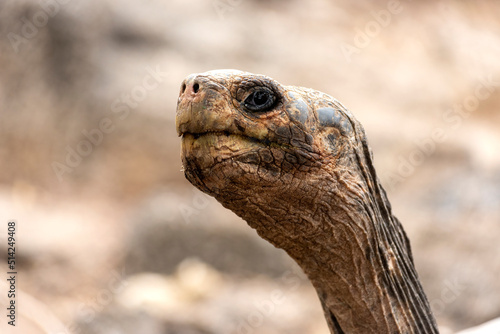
x=260, y=100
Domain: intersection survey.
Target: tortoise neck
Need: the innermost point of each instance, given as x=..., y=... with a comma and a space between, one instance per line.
x=354, y=251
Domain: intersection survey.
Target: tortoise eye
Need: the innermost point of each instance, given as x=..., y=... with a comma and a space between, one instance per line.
x=260, y=100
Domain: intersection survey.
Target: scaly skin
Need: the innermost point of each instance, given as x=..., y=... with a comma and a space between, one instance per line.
x=301, y=173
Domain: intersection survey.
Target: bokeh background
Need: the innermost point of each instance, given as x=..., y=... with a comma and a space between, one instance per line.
x=113, y=239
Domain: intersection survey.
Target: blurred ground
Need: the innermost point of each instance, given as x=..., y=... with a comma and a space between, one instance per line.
x=112, y=239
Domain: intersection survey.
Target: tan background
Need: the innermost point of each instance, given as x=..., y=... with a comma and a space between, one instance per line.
x=115, y=240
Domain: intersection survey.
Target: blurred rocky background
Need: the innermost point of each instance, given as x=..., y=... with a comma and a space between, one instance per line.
x=113, y=239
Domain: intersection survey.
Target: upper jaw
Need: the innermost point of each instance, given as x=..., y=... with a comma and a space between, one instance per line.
x=196, y=135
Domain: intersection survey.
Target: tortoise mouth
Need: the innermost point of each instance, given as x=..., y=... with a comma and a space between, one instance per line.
x=206, y=133
x=221, y=135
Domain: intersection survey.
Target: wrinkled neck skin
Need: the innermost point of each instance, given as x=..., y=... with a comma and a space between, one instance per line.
x=353, y=250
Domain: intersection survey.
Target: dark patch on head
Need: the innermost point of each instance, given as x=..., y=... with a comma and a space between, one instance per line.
x=298, y=111
x=283, y=131
x=328, y=117
x=239, y=126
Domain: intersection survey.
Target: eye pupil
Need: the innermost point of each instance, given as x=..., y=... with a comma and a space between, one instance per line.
x=260, y=100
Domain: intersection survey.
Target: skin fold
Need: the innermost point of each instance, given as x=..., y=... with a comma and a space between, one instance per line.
x=295, y=164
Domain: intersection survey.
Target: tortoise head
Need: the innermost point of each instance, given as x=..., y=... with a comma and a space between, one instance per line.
x=245, y=134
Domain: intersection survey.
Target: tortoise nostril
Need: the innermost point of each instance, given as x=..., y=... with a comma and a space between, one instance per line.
x=183, y=88
x=196, y=87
